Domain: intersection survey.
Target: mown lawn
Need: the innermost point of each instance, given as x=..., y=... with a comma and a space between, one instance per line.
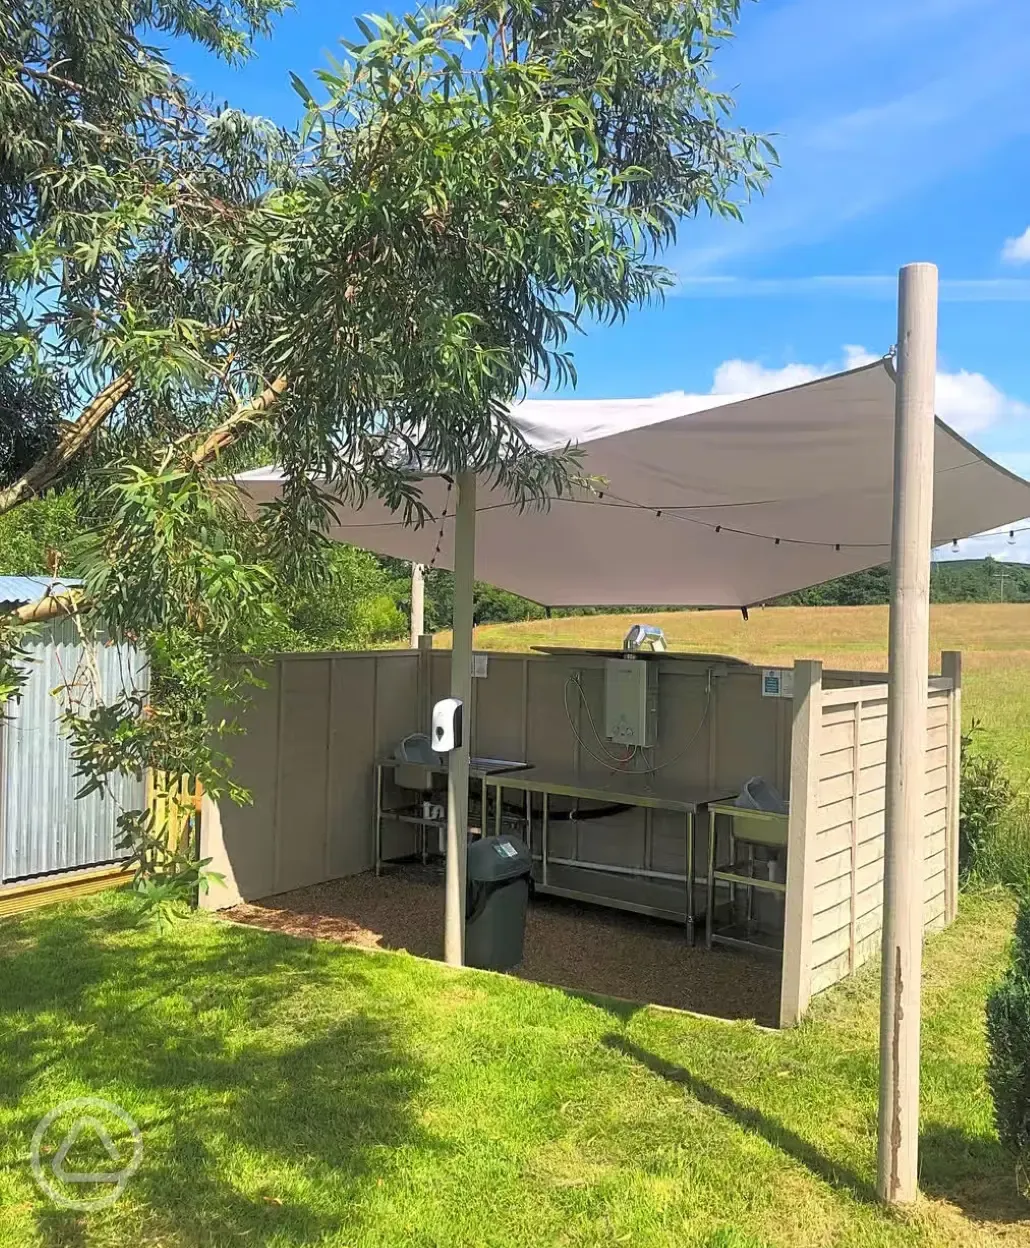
x=293, y=1093
x=994, y=639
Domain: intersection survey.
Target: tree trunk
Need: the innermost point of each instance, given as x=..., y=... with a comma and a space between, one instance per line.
x=48, y=471
x=220, y=439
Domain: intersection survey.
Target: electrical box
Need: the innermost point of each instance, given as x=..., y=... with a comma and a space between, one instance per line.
x=631, y=702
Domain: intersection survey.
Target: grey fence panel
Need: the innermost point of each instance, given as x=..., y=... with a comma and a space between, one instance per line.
x=44, y=827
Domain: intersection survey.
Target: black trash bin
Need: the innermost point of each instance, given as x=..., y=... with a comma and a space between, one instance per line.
x=495, y=908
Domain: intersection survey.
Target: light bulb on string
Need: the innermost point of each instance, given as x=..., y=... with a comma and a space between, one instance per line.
x=954, y=546
x=1012, y=537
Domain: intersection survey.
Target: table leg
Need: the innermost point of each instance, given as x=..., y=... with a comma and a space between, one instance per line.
x=710, y=898
x=498, y=808
x=690, y=877
x=378, y=835
x=543, y=839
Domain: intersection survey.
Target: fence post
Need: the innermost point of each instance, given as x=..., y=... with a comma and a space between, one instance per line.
x=424, y=681
x=418, y=605
x=951, y=666
x=801, y=833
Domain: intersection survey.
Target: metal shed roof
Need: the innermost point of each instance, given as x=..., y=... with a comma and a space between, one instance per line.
x=17, y=590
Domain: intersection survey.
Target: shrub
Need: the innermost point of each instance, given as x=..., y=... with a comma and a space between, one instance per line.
x=987, y=805
x=1008, y=1042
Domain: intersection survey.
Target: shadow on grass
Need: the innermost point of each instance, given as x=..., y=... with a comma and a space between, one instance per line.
x=623, y=1010
x=973, y=1172
x=269, y=1117
x=749, y=1118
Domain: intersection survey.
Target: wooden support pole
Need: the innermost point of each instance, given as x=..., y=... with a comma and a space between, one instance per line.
x=461, y=688
x=908, y=674
x=418, y=603
x=424, y=682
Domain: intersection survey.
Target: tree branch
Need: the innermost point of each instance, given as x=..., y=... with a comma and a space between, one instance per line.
x=73, y=602
x=51, y=607
x=48, y=75
x=48, y=470
x=220, y=439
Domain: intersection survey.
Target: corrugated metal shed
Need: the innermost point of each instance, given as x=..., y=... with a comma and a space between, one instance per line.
x=16, y=590
x=43, y=827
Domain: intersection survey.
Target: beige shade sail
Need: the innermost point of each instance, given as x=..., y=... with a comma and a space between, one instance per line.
x=704, y=501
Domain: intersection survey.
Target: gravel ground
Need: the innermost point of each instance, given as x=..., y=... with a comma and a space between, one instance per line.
x=583, y=948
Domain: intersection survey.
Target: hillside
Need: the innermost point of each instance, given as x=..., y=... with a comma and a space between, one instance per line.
x=994, y=640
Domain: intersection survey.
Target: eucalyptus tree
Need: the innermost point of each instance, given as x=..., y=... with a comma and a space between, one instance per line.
x=357, y=298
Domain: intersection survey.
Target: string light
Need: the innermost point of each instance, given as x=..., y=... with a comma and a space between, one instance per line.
x=443, y=522
x=613, y=500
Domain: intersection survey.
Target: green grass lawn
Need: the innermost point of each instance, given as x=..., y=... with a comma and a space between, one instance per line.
x=293, y=1093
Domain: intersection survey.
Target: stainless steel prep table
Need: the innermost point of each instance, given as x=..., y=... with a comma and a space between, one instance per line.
x=479, y=770
x=640, y=791
x=749, y=828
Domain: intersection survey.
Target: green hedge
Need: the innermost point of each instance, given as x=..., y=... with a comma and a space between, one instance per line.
x=1008, y=1040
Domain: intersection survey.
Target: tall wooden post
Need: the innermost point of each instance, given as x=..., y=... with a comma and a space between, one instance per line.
x=908, y=665
x=461, y=688
x=418, y=603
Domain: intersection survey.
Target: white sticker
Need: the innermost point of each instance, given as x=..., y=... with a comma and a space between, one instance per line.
x=777, y=682
x=506, y=849
x=479, y=665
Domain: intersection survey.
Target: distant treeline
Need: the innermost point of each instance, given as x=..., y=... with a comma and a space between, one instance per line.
x=366, y=599
x=960, y=580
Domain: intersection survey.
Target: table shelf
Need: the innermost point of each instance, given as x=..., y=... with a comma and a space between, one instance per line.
x=749, y=830
x=411, y=815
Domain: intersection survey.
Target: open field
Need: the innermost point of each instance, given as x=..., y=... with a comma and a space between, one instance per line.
x=994, y=640
x=292, y=1093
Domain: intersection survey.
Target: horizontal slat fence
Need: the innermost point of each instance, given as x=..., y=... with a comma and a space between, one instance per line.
x=836, y=837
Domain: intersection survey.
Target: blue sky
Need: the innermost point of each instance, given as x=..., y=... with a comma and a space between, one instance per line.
x=903, y=128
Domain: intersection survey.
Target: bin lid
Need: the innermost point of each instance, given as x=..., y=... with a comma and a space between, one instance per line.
x=498, y=858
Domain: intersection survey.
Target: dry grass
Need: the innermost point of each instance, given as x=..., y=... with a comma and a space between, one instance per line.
x=994, y=640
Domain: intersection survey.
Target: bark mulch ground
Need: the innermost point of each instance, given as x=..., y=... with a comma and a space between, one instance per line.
x=582, y=948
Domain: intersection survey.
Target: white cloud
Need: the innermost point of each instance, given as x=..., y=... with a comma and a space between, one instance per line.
x=747, y=377
x=970, y=403
x=750, y=377
x=1017, y=250
x=966, y=401
x=857, y=357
